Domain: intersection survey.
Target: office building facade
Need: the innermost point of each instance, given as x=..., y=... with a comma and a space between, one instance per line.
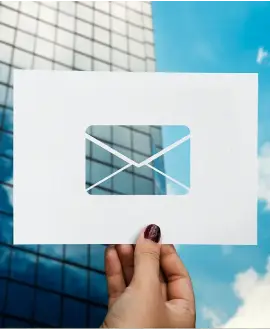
x=64, y=285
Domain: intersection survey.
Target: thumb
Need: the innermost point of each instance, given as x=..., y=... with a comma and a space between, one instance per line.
x=147, y=255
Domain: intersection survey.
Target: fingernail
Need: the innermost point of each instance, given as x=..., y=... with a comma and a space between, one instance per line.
x=153, y=233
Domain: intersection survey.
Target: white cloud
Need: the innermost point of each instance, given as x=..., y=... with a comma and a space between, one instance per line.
x=264, y=174
x=253, y=290
x=262, y=55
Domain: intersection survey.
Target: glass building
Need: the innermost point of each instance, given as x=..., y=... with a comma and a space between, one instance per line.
x=64, y=285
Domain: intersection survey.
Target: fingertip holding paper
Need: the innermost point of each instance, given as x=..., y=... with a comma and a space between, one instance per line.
x=67, y=191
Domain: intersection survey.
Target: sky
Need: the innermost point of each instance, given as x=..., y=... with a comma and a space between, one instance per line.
x=232, y=283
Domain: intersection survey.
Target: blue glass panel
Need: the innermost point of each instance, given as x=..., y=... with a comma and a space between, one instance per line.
x=6, y=194
x=47, y=308
x=49, y=274
x=6, y=144
x=96, y=316
x=3, y=284
x=23, y=266
x=77, y=253
x=9, y=322
x=6, y=169
x=97, y=256
x=52, y=250
x=20, y=300
x=75, y=281
x=74, y=314
x=98, y=288
x=8, y=120
x=4, y=260
x=1, y=114
x=6, y=228
x=123, y=183
x=143, y=186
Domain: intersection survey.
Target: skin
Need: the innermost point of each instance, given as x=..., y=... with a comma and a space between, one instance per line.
x=148, y=286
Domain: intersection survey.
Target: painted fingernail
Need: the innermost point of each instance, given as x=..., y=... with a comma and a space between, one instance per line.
x=153, y=233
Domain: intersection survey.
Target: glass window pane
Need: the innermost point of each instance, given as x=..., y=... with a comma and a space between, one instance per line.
x=147, y=22
x=20, y=300
x=23, y=266
x=25, y=41
x=29, y=7
x=101, y=35
x=52, y=4
x=22, y=59
x=136, y=48
x=134, y=17
x=101, y=66
x=117, y=162
x=96, y=316
x=10, y=322
x=101, y=19
x=84, y=28
x=7, y=34
x=46, y=31
x=119, y=58
x=57, y=66
x=6, y=228
x=98, y=172
x=136, y=64
x=101, y=154
x=103, y=6
x=119, y=41
x=4, y=73
x=157, y=135
x=52, y=250
x=151, y=66
x=141, y=142
x=83, y=45
x=44, y=48
x=5, y=53
x=6, y=197
x=88, y=3
x=118, y=26
x=8, y=120
x=47, y=308
x=97, y=252
x=11, y=4
x=75, y=281
x=135, y=32
x=63, y=55
x=135, y=5
x=143, y=186
x=3, y=284
x=145, y=171
x=74, y=314
x=27, y=23
x=67, y=6
x=123, y=183
x=49, y=274
x=42, y=64
x=77, y=253
x=117, y=10
x=122, y=136
x=102, y=132
x=6, y=144
x=101, y=52
x=142, y=128
x=146, y=6
x=47, y=14
x=66, y=21
x=149, y=36
x=99, y=191
x=150, y=51
x=82, y=62
x=9, y=102
x=6, y=170
x=3, y=93
x=8, y=16
x=65, y=38
x=85, y=13
x=4, y=258
x=98, y=288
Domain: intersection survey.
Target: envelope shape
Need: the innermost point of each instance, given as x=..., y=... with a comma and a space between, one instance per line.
x=132, y=160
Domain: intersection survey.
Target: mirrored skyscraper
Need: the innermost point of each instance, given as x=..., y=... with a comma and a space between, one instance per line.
x=64, y=285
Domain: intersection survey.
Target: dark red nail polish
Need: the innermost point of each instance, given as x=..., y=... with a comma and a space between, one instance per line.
x=153, y=233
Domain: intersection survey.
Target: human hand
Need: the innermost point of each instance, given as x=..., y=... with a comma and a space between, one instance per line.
x=148, y=286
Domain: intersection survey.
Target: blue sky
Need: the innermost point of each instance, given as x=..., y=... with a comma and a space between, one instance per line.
x=225, y=37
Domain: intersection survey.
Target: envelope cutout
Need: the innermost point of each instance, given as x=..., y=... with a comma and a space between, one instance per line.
x=136, y=160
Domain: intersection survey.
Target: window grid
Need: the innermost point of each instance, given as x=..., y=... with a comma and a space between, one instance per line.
x=46, y=22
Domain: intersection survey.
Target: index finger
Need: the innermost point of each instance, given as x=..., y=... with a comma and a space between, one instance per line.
x=179, y=282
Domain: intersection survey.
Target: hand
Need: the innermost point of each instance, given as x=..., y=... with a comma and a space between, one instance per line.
x=148, y=286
